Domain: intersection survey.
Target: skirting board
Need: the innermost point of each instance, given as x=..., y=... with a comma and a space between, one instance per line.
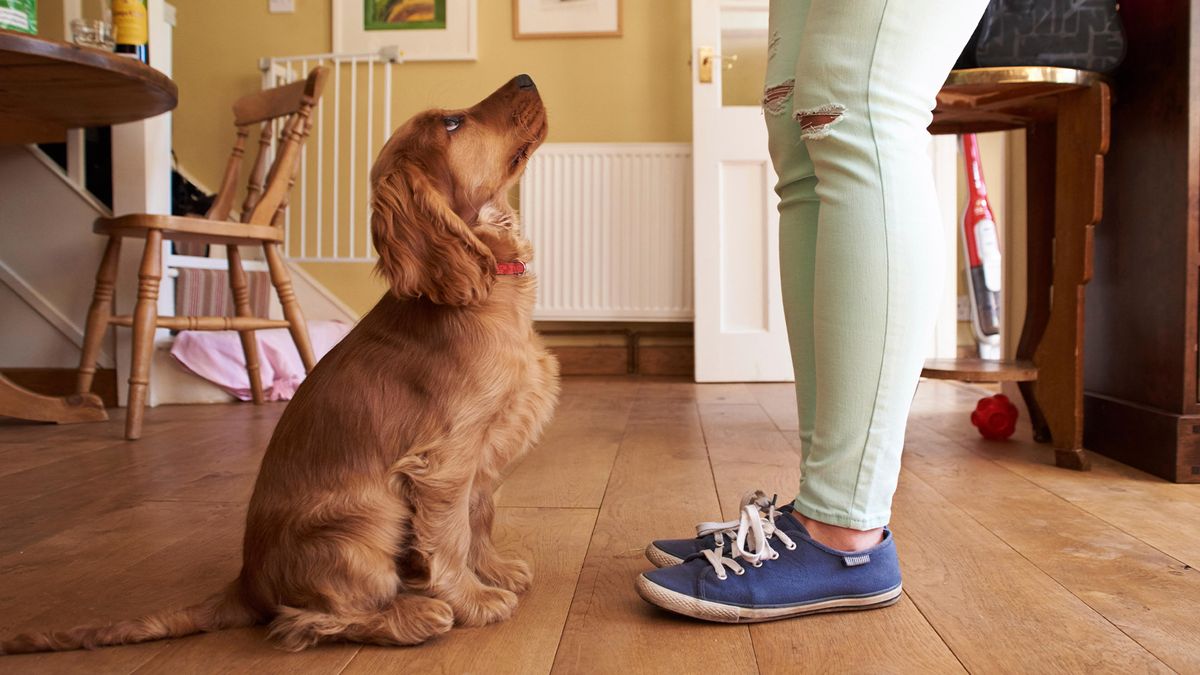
x=669, y=360
x=1159, y=442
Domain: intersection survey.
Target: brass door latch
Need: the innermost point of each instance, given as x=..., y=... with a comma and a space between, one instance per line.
x=707, y=58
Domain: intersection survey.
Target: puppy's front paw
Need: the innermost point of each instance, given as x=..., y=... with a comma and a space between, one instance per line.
x=426, y=618
x=507, y=573
x=484, y=605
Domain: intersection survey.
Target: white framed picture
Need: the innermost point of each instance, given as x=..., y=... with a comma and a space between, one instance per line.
x=566, y=18
x=422, y=30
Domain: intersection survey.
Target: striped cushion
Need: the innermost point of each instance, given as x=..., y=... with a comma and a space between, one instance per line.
x=206, y=293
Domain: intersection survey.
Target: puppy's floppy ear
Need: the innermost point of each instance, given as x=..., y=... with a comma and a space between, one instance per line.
x=424, y=247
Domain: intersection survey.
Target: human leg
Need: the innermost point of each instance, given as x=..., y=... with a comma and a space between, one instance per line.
x=867, y=74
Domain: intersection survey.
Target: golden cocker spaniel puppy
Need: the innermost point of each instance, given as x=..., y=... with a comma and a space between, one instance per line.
x=371, y=520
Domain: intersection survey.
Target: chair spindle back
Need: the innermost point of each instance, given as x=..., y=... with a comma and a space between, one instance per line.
x=268, y=187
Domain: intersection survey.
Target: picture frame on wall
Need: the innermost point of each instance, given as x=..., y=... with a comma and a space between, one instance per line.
x=421, y=30
x=534, y=19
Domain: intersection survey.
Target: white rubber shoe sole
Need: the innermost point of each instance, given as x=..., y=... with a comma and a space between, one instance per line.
x=715, y=611
x=661, y=558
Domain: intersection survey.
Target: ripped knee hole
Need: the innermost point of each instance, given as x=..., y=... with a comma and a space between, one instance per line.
x=775, y=97
x=816, y=123
x=773, y=44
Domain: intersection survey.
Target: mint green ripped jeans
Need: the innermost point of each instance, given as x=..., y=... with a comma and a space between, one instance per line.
x=849, y=93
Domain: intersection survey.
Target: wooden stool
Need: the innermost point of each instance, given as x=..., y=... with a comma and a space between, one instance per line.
x=261, y=225
x=1065, y=113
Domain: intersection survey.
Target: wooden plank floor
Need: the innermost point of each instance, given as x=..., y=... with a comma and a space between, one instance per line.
x=1010, y=564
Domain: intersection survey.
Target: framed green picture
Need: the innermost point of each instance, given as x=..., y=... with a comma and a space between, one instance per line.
x=412, y=30
x=19, y=15
x=404, y=14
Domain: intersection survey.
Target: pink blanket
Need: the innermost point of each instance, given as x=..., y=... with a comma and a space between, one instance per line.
x=217, y=357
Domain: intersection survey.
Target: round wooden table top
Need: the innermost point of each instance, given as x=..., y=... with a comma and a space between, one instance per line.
x=47, y=87
x=1011, y=97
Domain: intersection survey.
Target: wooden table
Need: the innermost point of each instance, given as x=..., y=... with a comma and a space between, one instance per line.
x=46, y=88
x=1065, y=114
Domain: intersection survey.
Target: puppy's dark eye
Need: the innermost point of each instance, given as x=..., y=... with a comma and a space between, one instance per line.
x=452, y=123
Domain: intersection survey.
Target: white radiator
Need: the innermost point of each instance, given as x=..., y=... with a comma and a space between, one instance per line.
x=611, y=226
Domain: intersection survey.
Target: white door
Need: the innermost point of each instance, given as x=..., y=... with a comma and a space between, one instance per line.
x=740, y=331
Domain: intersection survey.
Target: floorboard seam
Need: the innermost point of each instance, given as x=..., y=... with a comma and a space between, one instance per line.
x=712, y=473
x=91, y=478
x=595, y=523
x=1035, y=566
x=150, y=657
x=1032, y=562
x=349, y=661
x=107, y=446
x=1054, y=494
x=544, y=506
x=936, y=632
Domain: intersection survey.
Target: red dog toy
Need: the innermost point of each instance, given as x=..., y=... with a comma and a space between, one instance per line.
x=995, y=417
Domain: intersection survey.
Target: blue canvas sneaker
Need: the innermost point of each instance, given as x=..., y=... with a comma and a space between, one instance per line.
x=787, y=575
x=715, y=534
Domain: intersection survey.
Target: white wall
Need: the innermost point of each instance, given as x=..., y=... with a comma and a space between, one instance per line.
x=48, y=260
x=34, y=342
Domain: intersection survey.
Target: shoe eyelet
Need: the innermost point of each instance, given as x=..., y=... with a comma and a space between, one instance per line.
x=722, y=577
x=740, y=572
x=757, y=564
x=792, y=547
x=775, y=557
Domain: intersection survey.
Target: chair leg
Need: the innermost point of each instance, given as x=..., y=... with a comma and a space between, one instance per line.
x=241, y=302
x=98, y=315
x=145, y=316
x=291, y=309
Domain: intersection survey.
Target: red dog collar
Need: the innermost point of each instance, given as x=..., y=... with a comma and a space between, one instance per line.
x=510, y=268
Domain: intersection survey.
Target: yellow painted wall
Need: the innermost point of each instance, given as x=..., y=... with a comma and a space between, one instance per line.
x=50, y=20
x=630, y=89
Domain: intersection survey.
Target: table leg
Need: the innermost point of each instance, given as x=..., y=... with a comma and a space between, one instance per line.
x=1082, y=140
x=21, y=403
x=1040, y=151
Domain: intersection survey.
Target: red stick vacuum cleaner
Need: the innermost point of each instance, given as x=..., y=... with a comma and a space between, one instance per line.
x=981, y=245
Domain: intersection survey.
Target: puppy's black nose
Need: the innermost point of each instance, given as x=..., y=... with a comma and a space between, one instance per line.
x=525, y=81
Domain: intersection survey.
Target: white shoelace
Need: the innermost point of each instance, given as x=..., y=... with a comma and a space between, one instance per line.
x=720, y=529
x=753, y=525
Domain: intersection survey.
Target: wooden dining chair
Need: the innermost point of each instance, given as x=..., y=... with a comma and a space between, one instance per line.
x=287, y=108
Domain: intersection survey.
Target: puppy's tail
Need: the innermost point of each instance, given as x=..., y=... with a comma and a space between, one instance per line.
x=223, y=610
